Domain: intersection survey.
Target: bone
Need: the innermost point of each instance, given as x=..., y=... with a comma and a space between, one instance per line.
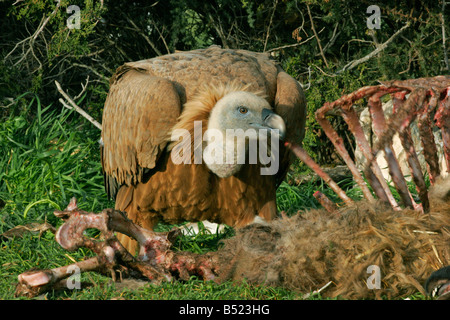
x=403, y=118
x=442, y=117
x=70, y=234
x=340, y=148
x=379, y=125
x=329, y=205
x=414, y=167
x=156, y=261
x=411, y=156
x=427, y=137
x=425, y=96
x=351, y=118
x=347, y=101
x=303, y=155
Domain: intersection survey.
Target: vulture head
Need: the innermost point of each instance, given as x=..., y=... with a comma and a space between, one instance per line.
x=245, y=110
x=235, y=119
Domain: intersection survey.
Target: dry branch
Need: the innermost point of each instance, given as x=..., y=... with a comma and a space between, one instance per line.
x=379, y=48
x=73, y=105
x=270, y=24
x=31, y=39
x=315, y=34
x=292, y=45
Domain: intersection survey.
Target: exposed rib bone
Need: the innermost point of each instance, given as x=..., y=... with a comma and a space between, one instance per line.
x=411, y=156
x=379, y=125
x=442, y=118
x=339, y=145
x=351, y=118
x=329, y=205
x=427, y=137
x=433, y=91
x=303, y=155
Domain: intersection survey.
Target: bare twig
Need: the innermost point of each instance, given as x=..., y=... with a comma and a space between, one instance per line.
x=74, y=106
x=219, y=30
x=98, y=74
x=317, y=37
x=303, y=155
x=443, y=35
x=162, y=37
x=83, y=89
x=144, y=36
x=270, y=24
x=33, y=38
x=292, y=45
x=379, y=48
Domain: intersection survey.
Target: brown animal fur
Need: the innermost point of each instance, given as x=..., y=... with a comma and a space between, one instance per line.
x=306, y=251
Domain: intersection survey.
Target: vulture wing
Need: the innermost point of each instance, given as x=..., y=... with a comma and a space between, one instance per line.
x=139, y=111
x=290, y=104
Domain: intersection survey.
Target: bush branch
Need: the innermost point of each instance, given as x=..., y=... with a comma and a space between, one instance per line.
x=73, y=105
x=379, y=48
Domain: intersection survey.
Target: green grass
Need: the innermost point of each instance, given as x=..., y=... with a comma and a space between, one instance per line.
x=48, y=155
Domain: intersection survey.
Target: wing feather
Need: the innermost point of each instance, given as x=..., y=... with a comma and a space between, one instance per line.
x=290, y=104
x=139, y=112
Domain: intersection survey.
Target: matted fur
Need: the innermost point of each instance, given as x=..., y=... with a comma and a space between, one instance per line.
x=306, y=251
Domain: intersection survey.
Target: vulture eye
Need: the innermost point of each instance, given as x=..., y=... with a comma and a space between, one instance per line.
x=243, y=110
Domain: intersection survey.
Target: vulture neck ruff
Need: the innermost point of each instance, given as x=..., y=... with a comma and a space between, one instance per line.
x=204, y=121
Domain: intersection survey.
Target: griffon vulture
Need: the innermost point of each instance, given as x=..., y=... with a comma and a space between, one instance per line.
x=218, y=89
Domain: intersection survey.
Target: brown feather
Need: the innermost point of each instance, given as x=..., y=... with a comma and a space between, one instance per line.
x=150, y=98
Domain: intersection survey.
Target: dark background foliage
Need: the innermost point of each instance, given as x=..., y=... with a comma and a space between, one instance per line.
x=37, y=47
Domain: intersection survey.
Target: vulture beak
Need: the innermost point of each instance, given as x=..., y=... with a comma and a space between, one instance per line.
x=272, y=121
